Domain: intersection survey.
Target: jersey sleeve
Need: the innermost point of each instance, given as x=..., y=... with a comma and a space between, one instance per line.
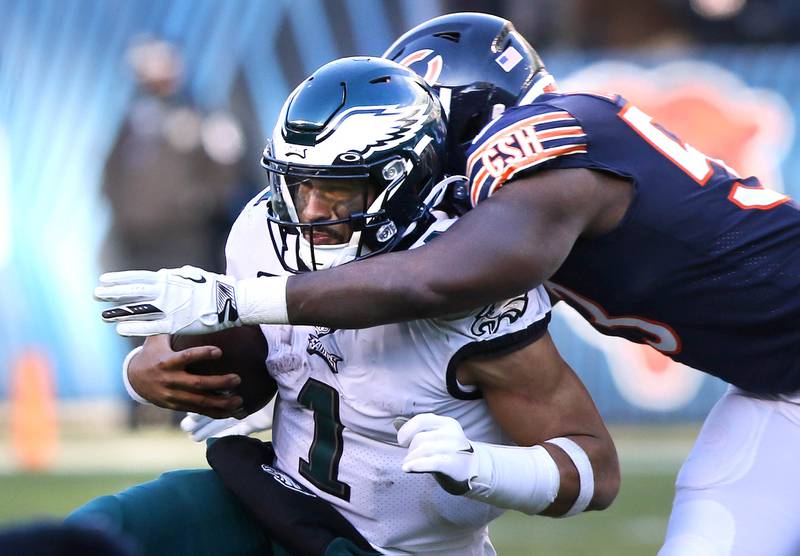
x=520, y=319
x=531, y=136
x=248, y=250
x=501, y=327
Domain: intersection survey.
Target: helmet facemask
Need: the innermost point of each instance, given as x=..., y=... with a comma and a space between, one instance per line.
x=331, y=215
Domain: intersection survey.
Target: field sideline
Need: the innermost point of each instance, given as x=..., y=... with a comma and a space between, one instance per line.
x=634, y=525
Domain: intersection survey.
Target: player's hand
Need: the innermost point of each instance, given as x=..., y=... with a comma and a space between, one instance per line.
x=201, y=427
x=438, y=445
x=186, y=300
x=158, y=374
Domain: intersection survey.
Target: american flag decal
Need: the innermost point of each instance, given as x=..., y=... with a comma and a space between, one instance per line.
x=509, y=59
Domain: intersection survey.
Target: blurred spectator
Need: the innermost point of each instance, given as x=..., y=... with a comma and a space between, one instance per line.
x=250, y=174
x=583, y=23
x=171, y=173
x=171, y=178
x=621, y=24
x=740, y=21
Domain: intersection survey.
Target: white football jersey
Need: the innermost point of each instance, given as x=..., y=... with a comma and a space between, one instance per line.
x=340, y=391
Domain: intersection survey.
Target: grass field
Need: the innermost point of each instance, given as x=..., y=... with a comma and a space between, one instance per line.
x=634, y=525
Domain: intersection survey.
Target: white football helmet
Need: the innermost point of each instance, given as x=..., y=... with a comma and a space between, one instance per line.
x=354, y=155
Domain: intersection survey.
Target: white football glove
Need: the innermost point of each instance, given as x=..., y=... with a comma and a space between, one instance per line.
x=201, y=427
x=184, y=300
x=189, y=300
x=521, y=478
x=438, y=445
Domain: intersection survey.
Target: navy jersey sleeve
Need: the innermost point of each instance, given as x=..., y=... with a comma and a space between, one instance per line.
x=535, y=135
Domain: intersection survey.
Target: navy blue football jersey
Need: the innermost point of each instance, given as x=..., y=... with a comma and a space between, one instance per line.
x=705, y=265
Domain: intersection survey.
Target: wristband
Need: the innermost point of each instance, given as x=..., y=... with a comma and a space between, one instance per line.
x=125, y=363
x=262, y=300
x=585, y=473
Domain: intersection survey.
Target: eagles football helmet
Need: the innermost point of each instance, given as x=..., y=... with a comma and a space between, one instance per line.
x=479, y=65
x=355, y=153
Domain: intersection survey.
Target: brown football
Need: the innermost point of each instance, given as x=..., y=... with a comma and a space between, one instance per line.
x=244, y=352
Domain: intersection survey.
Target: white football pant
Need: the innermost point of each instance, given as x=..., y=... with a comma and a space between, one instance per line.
x=738, y=493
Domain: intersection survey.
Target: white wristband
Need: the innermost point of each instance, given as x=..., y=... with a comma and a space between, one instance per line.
x=585, y=473
x=125, y=363
x=523, y=479
x=262, y=300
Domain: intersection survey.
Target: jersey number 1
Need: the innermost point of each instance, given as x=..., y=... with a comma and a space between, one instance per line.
x=696, y=164
x=322, y=467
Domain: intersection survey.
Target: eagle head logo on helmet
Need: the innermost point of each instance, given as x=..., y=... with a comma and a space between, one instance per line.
x=356, y=151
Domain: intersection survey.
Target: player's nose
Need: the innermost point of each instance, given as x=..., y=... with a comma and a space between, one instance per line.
x=317, y=207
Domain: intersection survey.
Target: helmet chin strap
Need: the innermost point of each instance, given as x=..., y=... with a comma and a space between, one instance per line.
x=329, y=256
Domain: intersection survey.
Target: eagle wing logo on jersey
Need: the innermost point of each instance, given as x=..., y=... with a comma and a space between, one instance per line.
x=316, y=347
x=491, y=317
x=369, y=129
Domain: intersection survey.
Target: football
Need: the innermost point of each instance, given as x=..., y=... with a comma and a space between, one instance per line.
x=244, y=352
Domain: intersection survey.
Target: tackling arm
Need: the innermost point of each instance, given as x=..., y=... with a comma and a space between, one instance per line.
x=512, y=242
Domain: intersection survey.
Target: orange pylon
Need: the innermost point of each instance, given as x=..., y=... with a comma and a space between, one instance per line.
x=34, y=422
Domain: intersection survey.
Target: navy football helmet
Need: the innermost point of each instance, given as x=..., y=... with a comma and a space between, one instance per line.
x=479, y=64
x=355, y=153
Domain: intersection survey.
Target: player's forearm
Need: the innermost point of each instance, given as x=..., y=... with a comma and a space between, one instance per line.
x=535, y=396
x=473, y=264
x=367, y=293
x=557, y=478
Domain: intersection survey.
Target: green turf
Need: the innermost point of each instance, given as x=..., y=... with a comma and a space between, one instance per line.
x=25, y=496
x=634, y=525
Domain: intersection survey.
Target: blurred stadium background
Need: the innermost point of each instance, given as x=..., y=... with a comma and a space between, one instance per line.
x=721, y=72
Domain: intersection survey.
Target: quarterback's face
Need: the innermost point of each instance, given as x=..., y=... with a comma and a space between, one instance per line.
x=320, y=200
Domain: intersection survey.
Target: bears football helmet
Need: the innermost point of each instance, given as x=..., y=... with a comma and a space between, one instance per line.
x=479, y=65
x=356, y=151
